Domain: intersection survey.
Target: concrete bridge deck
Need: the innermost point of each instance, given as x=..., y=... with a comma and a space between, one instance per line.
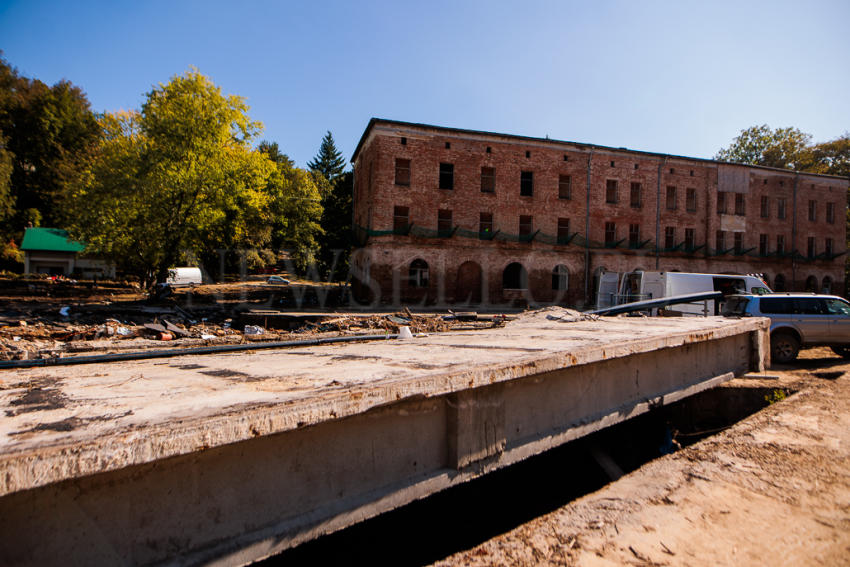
x=230, y=458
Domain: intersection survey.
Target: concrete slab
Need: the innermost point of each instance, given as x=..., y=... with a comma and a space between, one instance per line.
x=354, y=429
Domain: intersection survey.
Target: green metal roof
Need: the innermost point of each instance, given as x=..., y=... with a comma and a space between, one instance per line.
x=50, y=239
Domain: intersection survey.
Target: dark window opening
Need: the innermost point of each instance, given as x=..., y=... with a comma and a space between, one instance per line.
x=762, y=245
x=765, y=207
x=780, y=208
x=636, y=166
x=739, y=243
x=672, y=170
x=813, y=211
x=447, y=176
x=444, y=222
x=720, y=241
x=691, y=200
x=448, y=145
x=566, y=158
x=515, y=277
x=526, y=183
x=564, y=187
x=401, y=219
x=721, y=202
x=402, y=172
x=830, y=213
x=559, y=278
x=525, y=225
x=485, y=225
x=418, y=273
x=611, y=191
x=811, y=247
x=740, y=208
x=828, y=247
x=528, y=154
x=780, y=244
x=488, y=179
x=563, y=230
x=610, y=233
x=671, y=198
x=489, y=149
x=403, y=141
x=670, y=237
x=779, y=283
x=692, y=173
x=612, y=164
x=635, y=195
x=690, y=239
x=634, y=235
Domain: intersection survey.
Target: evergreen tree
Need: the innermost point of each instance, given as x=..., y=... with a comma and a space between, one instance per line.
x=329, y=161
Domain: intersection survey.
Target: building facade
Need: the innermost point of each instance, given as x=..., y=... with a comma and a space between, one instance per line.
x=448, y=216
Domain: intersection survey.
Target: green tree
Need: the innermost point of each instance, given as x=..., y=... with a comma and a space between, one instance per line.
x=296, y=208
x=329, y=161
x=49, y=133
x=179, y=175
x=760, y=145
x=338, y=207
x=832, y=158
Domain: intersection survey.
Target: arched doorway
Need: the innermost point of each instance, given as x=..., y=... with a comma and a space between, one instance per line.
x=827, y=285
x=515, y=277
x=468, y=285
x=812, y=284
x=418, y=273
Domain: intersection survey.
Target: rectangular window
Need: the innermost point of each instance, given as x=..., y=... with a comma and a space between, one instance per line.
x=740, y=209
x=671, y=198
x=670, y=237
x=525, y=226
x=721, y=202
x=401, y=219
x=828, y=247
x=762, y=245
x=811, y=250
x=780, y=244
x=720, y=242
x=739, y=242
x=634, y=235
x=447, y=176
x=691, y=200
x=611, y=191
x=610, y=233
x=526, y=183
x=780, y=208
x=635, y=196
x=564, y=187
x=488, y=180
x=813, y=211
x=563, y=230
x=765, y=207
x=444, y=222
x=830, y=213
x=485, y=225
x=402, y=172
x=690, y=239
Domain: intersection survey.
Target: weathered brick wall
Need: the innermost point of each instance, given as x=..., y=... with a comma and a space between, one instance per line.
x=454, y=262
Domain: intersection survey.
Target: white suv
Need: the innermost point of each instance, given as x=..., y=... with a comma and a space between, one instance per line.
x=797, y=319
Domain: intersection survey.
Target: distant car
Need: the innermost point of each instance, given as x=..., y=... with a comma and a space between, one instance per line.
x=277, y=280
x=797, y=319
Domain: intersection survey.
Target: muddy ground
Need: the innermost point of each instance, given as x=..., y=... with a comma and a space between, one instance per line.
x=774, y=489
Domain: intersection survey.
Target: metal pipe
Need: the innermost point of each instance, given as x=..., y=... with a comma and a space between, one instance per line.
x=165, y=353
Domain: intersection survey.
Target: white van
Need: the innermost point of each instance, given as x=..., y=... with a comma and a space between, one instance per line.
x=187, y=276
x=640, y=285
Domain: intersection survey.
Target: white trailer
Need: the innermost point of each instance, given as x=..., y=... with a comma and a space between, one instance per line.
x=640, y=285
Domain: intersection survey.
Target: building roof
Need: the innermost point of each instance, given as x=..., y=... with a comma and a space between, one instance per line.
x=375, y=121
x=50, y=239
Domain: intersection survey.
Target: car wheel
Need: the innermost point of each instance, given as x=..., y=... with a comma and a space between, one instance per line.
x=842, y=351
x=784, y=347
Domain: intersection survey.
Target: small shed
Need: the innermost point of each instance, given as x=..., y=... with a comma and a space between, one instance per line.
x=51, y=251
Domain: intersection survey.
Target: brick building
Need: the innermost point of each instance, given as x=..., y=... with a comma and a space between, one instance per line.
x=451, y=216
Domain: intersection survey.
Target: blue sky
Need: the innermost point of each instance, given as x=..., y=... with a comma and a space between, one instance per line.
x=677, y=77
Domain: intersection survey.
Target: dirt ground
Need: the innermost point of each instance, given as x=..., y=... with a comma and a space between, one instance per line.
x=42, y=319
x=774, y=489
